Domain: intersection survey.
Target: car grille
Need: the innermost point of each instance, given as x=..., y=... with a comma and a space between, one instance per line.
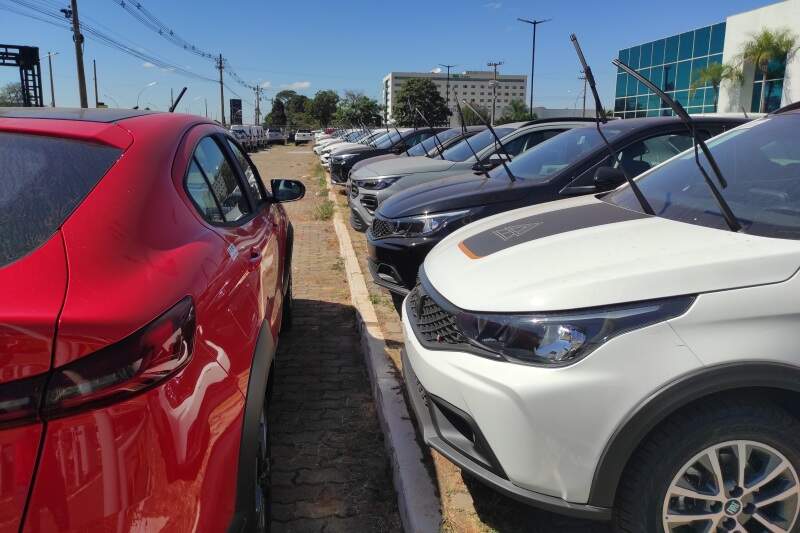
x=353, y=191
x=433, y=324
x=370, y=202
x=382, y=228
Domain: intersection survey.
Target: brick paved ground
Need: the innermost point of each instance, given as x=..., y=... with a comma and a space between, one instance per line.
x=467, y=505
x=330, y=470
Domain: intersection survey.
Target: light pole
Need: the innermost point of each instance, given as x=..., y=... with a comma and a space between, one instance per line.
x=494, y=65
x=447, y=90
x=52, y=86
x=143, y=90
x=533, y=23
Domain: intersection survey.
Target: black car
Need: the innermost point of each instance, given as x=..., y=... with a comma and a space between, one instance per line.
x=391, y=142
x=409, y=224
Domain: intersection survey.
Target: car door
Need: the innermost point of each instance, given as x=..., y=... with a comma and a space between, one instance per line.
x=265, y=249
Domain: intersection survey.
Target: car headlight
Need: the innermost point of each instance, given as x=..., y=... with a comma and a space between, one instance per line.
x=423, y=225
x=376, y=184
x=558, y=339
x=343, y=157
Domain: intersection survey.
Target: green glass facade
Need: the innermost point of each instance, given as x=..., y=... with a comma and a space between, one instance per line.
x=672, y=64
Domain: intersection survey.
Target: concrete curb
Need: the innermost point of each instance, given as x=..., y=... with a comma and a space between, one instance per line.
x=416, y=495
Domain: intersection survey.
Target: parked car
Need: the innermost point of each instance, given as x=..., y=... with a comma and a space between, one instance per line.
x=260, y=136
x=395, y=141
x=363, y=140
x=276, y=135
x=342, y=136
x=588, y=358
x=373, y=184
x=243, y=138
x=409, y=224
x=302, y=136
x=145, y=274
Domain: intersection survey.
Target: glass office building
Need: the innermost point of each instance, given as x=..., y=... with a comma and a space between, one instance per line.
x=673, y=65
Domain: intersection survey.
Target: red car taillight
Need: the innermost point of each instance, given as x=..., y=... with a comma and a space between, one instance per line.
x=132, y=365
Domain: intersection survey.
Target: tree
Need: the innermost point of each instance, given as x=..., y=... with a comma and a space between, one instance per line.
x=715, y=74
x=516, y=111
x=11, y=95
x=276, y=117
x=765, y=47
x=356, y=109
x=422, y=94
x=323, y=106
x=471, y=119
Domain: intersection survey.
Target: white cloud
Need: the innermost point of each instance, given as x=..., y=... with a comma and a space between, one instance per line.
x=148, y=64
x=296, y=85
x=437, y=70
x=266, y=85
x=493, y=5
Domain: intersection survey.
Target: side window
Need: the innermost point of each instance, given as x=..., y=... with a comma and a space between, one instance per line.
x=416, y=138
x=222, y=179
x=643, y=155
x=200, y=191
x=250, y=173
x=514, y=146
x=540, y=137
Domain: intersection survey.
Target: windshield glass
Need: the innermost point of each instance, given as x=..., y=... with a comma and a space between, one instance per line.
x=544, y=161
x=388, y=140
x=462, y=152
x=431, y=145
x=761, y=163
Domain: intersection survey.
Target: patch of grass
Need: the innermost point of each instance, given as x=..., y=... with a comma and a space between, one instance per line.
x=323, y=192
x=338, y=265
x=324, y=211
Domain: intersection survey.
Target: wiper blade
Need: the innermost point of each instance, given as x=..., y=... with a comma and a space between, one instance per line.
x=464, y=127
x=727, y=212
x=415, y=111
x=503, y=148
x=435, y=135
x=600, y=117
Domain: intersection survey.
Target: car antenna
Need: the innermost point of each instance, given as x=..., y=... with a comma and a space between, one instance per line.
x=435, y=135
x=177, y=100
x=464, y=128
x=414, y=112
x=599, y=116
x=727, y=212
x=496, y=138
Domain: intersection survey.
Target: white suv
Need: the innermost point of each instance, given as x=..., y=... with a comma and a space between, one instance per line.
x=594, y=360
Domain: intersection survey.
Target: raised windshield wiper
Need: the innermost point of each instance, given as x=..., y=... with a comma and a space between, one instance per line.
x=424, y=149
x=435, y=136
x=727, y=212
x=503, y=148
x=600, y=116
x=464, y=128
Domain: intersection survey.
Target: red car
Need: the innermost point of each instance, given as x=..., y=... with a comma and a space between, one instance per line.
x=144, y=278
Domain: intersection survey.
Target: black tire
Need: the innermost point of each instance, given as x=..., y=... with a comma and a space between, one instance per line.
x=263, y=488
x=288, y=304
x=650, y=472
x=397, y=300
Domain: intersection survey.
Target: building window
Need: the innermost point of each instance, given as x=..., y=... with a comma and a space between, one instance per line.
x=775, y=75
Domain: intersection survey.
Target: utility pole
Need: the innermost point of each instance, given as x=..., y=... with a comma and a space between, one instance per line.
x=52, y=88
x=221, y=67
x=494, y=65
x=447, y=91
x=94, y=72
x=206, y=102
x=258, y=104
x=533, y=23
x=171, y=98
x=583, y=77
x=72, y=13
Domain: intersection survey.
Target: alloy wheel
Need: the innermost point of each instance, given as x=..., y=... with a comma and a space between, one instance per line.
x=741, y=486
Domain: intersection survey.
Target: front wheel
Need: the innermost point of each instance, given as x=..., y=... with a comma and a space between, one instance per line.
x=726, y=467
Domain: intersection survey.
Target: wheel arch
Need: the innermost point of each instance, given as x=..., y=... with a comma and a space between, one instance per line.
x=774, y=381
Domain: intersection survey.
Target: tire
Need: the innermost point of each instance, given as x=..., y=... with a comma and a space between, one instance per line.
x=397, y=300
x=674, y=459
x=288, y=304
x=263, y=488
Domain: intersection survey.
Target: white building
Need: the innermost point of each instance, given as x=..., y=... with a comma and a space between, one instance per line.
x=473, y=86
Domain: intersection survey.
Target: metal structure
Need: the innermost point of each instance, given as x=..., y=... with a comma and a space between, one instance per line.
x=26, y=58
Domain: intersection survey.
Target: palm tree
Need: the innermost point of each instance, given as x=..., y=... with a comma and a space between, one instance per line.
x=714, y=74
x=766, y=46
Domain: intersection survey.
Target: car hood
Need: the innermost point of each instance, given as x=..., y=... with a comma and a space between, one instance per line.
x=584, y=252
x=403, y=165
x=349, y=148
x=453, y=192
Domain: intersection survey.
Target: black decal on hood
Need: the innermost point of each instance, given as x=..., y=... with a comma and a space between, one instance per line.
x=544, y=225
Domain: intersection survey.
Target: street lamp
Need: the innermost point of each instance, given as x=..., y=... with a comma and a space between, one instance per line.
x=143, y=90
x=447, y=89
x=533, y=23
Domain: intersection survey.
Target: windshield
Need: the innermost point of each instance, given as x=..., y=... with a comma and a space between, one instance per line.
x=431, y=145
x=462, y=152
x=388, y=140
x=760, y=161
x=542, y=162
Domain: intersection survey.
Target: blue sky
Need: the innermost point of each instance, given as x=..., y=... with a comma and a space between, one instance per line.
x=350, y=44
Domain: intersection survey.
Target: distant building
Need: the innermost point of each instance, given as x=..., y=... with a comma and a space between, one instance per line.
x=474, y=86
x=547, y=112
x=673, y=63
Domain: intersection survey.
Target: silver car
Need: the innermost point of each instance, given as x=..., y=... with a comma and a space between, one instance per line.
x=375, y=182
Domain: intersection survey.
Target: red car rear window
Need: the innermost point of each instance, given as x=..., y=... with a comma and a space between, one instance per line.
x=42, y=180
